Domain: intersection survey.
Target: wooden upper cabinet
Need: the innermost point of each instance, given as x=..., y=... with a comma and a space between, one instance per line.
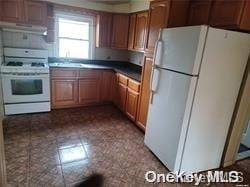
x=132, y=26
x=143, y=106
x=227, y=13
x=245, y=21
x=24, y=11
x=140, y=31
x=120, y=31
x=103, y=29
x=158, y=18
x=199, y=12
x=35, y=12
x=11, y=10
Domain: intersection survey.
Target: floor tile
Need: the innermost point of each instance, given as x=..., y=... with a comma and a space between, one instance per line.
x=76, y=171
x=51, y=176
x=64, y=147
x=72, y=154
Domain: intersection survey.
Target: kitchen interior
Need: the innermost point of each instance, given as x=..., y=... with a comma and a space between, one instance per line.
x=122, y=87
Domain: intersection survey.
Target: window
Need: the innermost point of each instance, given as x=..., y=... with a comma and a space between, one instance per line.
x=74, y=36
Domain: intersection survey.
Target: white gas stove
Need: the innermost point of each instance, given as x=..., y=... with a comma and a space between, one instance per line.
x=25, y=79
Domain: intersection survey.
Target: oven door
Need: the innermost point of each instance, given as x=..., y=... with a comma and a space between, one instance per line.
x=25, y=88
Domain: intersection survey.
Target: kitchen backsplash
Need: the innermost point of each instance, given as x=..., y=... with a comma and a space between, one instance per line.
x=26, y=40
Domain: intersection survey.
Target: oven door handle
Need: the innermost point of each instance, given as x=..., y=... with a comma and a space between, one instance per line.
x=25, y=75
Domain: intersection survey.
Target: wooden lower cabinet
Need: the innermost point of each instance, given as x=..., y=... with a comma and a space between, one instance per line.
x=64, y=93
x=145, y=93
x=89, y=91
x=73, y=87
x=131, y=104
x=107, y=88
x=121, y=96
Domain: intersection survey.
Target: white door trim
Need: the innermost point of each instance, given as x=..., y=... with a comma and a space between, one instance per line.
x=238, y=122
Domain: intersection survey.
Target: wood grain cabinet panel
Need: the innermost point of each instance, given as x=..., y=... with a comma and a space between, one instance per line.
x=120, y=31
x=158, y=18
x=140, y=31
x=11, y=10
x=131, y=104
x=35, y=12
x=64, y=93
x=103, y=29
x=144, y=93
x=89, y=91
x=121, y=96
x=227, y=13
x=61, y=73
x=132, y=26
x=107, y=86
x=199, y=12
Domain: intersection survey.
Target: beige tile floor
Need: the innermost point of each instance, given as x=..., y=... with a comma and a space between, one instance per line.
x=63, y=147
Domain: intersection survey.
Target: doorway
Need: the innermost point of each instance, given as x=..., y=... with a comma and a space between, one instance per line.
x=244, y=148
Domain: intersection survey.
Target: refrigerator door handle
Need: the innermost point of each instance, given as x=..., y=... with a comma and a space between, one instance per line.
x=155, y=79
x=158, y=53
x=158, y=50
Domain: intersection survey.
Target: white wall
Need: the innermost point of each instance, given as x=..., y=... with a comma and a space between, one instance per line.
x=84, y=4
x=133, y=6
x=26, y=40
x=138, y=5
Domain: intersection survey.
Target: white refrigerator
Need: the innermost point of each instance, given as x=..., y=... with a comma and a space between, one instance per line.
x=194, y=87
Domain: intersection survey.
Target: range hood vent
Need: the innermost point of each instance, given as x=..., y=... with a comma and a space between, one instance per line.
x=24, y=28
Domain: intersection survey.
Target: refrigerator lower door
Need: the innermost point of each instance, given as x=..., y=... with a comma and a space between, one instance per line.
x=168, y=116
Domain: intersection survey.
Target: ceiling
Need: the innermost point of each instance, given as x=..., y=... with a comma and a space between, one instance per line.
x=112, y=2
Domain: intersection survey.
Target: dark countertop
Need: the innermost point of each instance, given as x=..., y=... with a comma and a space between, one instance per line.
x=131, y=70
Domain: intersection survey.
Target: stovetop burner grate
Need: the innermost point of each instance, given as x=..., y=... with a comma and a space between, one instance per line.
x=14, y=64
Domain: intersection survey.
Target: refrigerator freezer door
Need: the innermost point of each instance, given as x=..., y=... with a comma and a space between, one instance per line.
x=224, y=61
x=166, y=117
x=183, y=48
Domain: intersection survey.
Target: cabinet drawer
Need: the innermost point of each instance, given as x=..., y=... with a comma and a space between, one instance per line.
x=63, y=73
x=123, y=79
x=90, y=74
x=134, y=85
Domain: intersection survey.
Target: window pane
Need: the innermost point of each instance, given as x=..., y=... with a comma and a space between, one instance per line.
x=26, y=87
x=73, y=48
x=73, y=29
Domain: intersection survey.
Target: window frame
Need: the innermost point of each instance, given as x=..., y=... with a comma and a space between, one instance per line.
x=80, y=18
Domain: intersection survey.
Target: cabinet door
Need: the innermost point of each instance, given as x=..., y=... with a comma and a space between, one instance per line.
x=35, y=12
x=121, y=96
x=89, y=91
x=145, y=93
x=11, y=10
x=131, y=104
x=226, y=13
x=158, y=18
x=64, y=93
x=107, y=86
x=103, y=29
x=199, y=12
x=131, y=37
x=140, y=31
x=120, y=31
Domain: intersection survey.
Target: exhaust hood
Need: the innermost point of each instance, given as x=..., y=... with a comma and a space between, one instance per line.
x=24, y=28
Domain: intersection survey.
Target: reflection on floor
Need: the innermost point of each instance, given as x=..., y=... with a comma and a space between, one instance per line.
x=63, y=147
